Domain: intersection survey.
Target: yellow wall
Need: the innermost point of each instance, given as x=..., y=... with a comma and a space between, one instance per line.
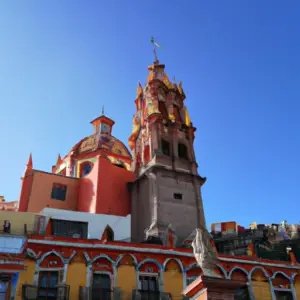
x=17, y=220
x=126, y=280
x=173, y=281
x=76, y=277
x=261, y=290
x=25, y=277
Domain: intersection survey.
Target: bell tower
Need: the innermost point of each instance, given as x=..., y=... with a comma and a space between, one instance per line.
x=167, y=189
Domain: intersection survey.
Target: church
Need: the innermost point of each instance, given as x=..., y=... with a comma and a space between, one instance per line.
x=156, y=182
x=124, y=219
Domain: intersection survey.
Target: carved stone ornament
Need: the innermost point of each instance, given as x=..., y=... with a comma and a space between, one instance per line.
x=152, y=230
x=204, y=252
x=159, y=230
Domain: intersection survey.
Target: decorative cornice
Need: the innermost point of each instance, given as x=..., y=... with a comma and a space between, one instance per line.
x=157, y=251
x=258, y=263
x=112, y=247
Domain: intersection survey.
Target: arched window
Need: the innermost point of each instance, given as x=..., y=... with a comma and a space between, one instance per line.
x=177, y=115
x=165, y=147
x=163, y=110
x=182, y=151
x=86, y=169
x=109, y=234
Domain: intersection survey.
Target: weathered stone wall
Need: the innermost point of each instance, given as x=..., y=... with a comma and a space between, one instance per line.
x=153, y=197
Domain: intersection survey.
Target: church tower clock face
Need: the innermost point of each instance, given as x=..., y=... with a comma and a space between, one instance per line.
x=104, y=128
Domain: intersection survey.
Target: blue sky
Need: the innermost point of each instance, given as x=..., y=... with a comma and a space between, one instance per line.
x=239, y=61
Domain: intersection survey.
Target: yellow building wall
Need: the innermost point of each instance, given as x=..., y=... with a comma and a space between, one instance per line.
x=173, y=280
x=25, y=277
x=261, y=290
x=126, y=280
x=173, y=283
x=76, y=277
x=17, y=220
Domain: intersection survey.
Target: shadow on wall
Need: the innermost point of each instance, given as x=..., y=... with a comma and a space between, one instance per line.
x=113, y=196
x=86, y=199
x=104, y=189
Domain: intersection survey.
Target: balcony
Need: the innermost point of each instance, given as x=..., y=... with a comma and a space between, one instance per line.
x=103, y=294
x=118, y=294
x=86, y=293
x=150, y=295
x=32, y=292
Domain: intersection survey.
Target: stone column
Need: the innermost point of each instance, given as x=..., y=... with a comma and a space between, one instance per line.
x=184, y=278
x=115, y=276
x=293, y=289
x=161, y=281
x=272, y=288
x=65, y=272
x=88, y=275
x=250, y=289
x=36, y=276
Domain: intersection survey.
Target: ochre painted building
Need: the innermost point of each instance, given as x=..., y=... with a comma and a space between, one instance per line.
x=125, y=268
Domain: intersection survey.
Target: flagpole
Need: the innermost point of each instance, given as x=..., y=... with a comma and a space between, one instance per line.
x=155, y=55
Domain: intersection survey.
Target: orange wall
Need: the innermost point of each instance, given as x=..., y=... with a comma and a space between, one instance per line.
x=104, y=189
x=25, y=190
x=112, y=194
x=39, y=192
x=225, y=226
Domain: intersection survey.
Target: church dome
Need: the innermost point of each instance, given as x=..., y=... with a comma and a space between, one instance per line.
x=106, y=145
x=82, y=157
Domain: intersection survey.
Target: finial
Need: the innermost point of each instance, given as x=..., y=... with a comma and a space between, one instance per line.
x=154, y=50
x=102, y=110
x=139, y=89
x=58, y=160
x=29, y=165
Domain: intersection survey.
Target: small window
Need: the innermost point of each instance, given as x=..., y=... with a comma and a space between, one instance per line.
x=165, y=147
x=59, y=192
x=86, y=169
x=177, y=196
x=182, y=151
